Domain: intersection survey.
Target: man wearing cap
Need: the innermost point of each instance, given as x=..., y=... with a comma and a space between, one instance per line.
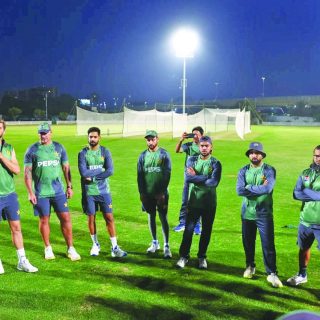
x=9, y=206
x=307, y=190
x=190, y=149
x=43, y=162
x=203, y=174
x=95, y=167
x=255, y=184
x=154, y=170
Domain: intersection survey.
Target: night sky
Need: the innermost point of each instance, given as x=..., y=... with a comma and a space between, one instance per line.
x=121, y=48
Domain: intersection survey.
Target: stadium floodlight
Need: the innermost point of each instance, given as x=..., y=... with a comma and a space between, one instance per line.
x=184, y=41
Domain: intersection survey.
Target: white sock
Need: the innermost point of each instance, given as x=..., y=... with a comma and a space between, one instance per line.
x=166, y=244
x=21, y=254
x=94, y=238
x=113, y=242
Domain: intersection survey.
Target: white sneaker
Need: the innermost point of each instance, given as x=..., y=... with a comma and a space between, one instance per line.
x=118, y=253
x=249, y=272
x=48, y=253
x=153, y=247
x=274, y=280
x=73, y=254
x=1, y=268
x=167, y=252
x=95, y=249
x=297, y=279
x=203, y=263
x=182, y=262
x=25, y=265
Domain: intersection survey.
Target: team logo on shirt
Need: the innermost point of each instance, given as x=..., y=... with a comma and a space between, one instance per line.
x=153, y=169
x=102, y=158
x=8, y=153
x=263, y=178
x=57, y=154
x=48, y=163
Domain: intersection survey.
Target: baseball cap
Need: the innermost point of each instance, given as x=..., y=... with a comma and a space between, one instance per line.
x=256, y=146
x=205, y=139
x=151, y=133
x=44, y=127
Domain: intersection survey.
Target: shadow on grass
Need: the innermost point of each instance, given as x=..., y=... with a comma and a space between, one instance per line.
x=137, y=311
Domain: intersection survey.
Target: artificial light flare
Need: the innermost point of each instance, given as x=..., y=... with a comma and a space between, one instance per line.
x=185, y=41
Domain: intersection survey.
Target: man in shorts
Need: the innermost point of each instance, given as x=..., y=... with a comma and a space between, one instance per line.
x=9, y=206
x=307, y=190
x=95, y=167
x=43, y=162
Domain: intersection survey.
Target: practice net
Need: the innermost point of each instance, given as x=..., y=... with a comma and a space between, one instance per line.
x=134, y=123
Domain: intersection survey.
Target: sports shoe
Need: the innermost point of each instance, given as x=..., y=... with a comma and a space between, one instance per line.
x=95, y=249
x=1, y=268
x=203, y=263
x=116, y=252
x=180, y=227
x=182, y=262
x=274, y=280
x=197, y=229
x=25, y=265
x=48, y=253
x=72, y=254
x=167, y=252
x=153, y=247
x=297, y=279
x=249, y=272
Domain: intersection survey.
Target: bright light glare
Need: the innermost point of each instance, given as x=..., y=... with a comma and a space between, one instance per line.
x=184, y=42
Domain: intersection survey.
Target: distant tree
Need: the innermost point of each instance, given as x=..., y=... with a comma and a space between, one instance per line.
x=63, y=115
x=39, y=114
x=14, y=112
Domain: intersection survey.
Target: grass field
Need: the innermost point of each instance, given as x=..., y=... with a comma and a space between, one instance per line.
x=144, y=287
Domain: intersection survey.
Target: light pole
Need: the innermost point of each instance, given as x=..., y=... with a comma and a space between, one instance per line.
x=46, y=102
x=263, y=78
x=184, y=42
x=216, y=84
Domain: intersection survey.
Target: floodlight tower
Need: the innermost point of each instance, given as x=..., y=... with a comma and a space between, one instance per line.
x=263, y=78
x=185, y=42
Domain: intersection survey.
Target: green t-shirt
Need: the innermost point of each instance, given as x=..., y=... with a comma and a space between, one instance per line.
x=200, y=195
x=46, y=162
x=6, y=177
x=154, y=169
x=264, y=203
x=310, y=210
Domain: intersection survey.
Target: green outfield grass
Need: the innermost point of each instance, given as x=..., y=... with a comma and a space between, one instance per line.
x=144, y=287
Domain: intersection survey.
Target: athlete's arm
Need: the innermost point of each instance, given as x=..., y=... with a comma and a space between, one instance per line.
x=178, y=146
x=28, y=182
x=299, y=191
x=265, y=188
x=108, y=167
x=140, y=175
x=12, y=165
x=241, y=184
x=314, y=195
x=215, y=177
x=67, y=177
x=83, y=170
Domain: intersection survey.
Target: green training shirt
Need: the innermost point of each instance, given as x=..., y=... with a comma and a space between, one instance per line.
x=46, y=162
x=6, y=177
